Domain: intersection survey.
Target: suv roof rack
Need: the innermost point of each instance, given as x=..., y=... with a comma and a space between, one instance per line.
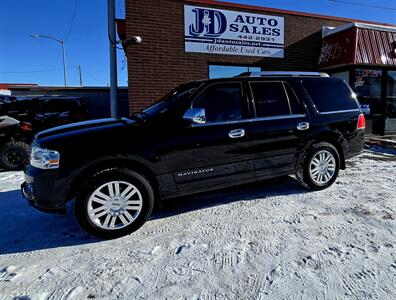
x=283, y=73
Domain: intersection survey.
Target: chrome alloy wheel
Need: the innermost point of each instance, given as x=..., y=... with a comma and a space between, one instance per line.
x=115, y=205
x=322, y=167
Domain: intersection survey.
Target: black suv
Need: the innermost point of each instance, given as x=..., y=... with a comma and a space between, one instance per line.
x=204, y=135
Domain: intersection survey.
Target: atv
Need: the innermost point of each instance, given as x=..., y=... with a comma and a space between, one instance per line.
x=15, y=137
x=22, y=118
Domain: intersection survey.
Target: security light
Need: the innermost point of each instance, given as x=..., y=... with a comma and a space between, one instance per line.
x=135, y=40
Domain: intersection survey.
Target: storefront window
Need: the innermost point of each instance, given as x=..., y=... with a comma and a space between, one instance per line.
x=391, y=95
x=390, y=113
x=223, y=71
x=368, y=83
x=367, y=86
x=392, y=83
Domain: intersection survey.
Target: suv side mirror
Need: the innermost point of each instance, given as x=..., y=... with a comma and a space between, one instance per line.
x=195, y=115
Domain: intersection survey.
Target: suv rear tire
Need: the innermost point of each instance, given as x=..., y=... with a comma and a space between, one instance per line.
x=14, y=156
x=114, y=203
x=318, y=166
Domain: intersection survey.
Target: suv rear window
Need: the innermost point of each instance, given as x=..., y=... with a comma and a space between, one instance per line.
x=330, y=94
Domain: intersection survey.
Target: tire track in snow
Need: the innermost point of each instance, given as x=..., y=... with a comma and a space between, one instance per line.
x=271, y=241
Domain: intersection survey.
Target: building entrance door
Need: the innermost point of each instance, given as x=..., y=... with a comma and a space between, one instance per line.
x=390, y=110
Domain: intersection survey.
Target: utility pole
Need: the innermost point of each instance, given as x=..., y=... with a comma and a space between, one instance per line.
x=64, y=61
x=113, y=58
x=80, y=73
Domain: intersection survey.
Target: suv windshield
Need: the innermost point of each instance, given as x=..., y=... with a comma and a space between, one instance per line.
x=179, y=94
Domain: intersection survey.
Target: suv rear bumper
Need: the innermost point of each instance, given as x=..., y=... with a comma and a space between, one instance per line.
x=355, y=145
x=43, y=191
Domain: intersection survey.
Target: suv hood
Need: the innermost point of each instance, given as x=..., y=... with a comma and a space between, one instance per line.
x=82, y=128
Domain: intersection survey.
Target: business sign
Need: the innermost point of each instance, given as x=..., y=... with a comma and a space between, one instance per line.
x=227, y=32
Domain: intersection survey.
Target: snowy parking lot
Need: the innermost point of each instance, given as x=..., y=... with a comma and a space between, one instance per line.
x=272, y=240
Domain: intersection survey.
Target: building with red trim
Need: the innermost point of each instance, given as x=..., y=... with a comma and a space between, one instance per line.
x=187, y=40
x=5, y=88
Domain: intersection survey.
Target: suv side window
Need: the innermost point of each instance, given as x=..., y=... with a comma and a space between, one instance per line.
x=270, y=99
x=222, y=102
x=330, y=94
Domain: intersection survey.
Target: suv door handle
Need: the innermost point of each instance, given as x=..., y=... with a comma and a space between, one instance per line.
x=303, y=126
x=236, y=133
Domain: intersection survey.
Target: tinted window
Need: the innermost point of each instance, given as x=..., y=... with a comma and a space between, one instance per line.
x=295, y=104
x=222, y=102
x=270, y=99
x=330, y=94
x=177, y=95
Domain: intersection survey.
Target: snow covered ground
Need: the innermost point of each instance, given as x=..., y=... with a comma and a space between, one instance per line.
x=272, y=240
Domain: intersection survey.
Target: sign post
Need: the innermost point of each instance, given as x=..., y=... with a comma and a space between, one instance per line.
x=113, y=59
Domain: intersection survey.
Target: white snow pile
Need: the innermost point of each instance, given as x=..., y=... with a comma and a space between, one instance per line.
x=272, y=240
x=10, y=181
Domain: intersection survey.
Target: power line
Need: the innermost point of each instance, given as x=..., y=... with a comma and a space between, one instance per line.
x=362, y=4
x=34, y=71
x=92, y=77
x=72, y=19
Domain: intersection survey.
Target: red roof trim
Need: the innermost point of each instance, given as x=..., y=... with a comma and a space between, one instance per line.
x=7, y=85
x=374, y=47
x=360, y=46
x=283, y=11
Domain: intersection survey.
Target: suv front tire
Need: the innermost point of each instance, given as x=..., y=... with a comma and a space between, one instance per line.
x=114, y=203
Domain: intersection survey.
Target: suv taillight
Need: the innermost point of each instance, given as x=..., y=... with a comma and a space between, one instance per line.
x=361, y=122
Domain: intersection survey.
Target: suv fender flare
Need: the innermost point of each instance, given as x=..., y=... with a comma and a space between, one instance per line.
x=333, y=140
x=106, y=163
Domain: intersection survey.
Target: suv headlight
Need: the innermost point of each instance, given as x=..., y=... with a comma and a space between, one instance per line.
x=44, y=158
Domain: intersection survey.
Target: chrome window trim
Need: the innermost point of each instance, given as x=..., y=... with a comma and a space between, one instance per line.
x=252, y=100
x=252, y=120
x=338, y=111
x=222, y=123
x=287, y=97
x=281, y=117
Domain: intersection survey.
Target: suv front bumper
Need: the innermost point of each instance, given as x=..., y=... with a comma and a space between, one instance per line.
x=44, y=191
